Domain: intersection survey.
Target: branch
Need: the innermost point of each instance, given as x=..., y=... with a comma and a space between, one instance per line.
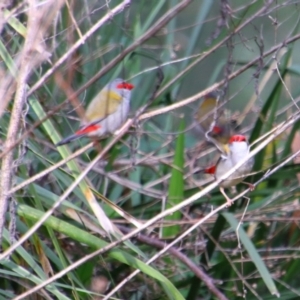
x=32, y=54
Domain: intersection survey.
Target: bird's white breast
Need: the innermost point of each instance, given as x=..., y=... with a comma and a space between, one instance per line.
x=115, y=120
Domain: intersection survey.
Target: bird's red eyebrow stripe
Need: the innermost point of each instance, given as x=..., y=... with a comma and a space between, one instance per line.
x=237, y=138
x=210, y=170
x=125, y=85
x=88, y=129
x=217, y=129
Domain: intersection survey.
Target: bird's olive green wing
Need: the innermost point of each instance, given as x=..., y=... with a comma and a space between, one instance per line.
x=104, y=104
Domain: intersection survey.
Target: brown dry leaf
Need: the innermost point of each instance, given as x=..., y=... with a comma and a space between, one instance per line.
x=43, y=258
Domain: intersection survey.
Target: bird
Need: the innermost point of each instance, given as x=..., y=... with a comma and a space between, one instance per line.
x=238, y=149
x=106, y=113
x=212, y=121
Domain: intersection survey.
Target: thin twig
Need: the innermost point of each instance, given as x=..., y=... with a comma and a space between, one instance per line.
x=50, y=169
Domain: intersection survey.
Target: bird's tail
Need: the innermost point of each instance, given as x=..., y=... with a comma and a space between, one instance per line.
x=85, y=130
x=68, y=139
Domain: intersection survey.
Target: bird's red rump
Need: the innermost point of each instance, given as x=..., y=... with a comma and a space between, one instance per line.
x=125, y=85
x=88, y=129
x=237, y=138
x=210, y=170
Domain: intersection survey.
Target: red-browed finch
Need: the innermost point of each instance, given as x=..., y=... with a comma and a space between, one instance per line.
x=106, y=113
x=238, y=150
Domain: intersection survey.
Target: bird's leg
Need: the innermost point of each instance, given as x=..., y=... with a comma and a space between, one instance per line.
x=250, y=185
x=228, y=200
x=96, y=144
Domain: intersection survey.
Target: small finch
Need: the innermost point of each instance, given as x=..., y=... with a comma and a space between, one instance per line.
x=238, y=150
x=213, y=123
x=106, y=113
